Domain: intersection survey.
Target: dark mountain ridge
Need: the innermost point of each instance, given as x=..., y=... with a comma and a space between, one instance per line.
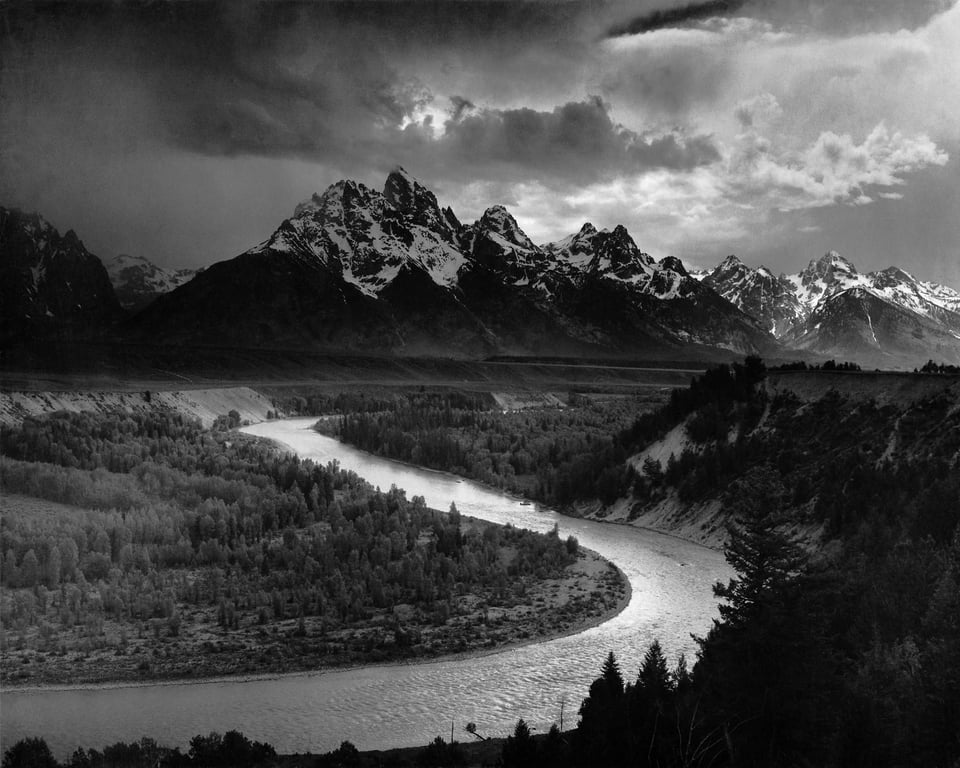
x=50, y=284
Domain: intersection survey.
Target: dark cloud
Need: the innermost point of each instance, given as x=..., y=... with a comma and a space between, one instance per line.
x=575, y=141
x=459, y=106
x=675, y=17
x=829, y=16
x=315, y=110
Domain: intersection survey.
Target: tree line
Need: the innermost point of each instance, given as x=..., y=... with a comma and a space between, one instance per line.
x=557, y=456
x=206, y=521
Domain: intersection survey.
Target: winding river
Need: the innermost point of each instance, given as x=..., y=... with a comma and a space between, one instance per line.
x=405, y=705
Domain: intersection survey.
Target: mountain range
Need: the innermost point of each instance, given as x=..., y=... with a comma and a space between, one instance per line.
x=390, y=271
x=360, y=269
x=882, y=318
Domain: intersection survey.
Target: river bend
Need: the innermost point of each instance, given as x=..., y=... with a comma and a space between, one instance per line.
x=405, y=705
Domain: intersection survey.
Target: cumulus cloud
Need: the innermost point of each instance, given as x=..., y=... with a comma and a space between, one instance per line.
x=834, y=169
x=759, y=112
x=819, y=76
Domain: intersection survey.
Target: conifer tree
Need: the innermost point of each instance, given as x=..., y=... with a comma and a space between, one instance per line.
x=764, y=665
x=764, y=557
x=611, y=677
x=520, y=751
x=654, y=677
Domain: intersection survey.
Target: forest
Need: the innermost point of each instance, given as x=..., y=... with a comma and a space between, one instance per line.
x=146, y=546
x=553, y=455
x=798, y=670
x=842, y=648
x=841, y=651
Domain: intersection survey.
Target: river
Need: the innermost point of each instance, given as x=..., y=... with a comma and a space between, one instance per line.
x=405, y=705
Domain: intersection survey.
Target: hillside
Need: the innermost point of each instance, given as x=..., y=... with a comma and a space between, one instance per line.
x=843, y=443
x=203, y=404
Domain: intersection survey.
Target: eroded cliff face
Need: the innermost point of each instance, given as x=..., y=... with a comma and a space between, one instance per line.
x=203, y=404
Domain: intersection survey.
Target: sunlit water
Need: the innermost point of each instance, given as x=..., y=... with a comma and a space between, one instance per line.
x=405, y=705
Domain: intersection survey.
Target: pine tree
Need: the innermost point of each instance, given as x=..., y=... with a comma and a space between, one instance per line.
x=601, y=732
x=520, y=751
x=611, y=677
x=765, y=664
x=764, y=557
x=654, y=677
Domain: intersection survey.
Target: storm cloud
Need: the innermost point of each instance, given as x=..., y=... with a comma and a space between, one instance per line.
x=673, y=17
x=186, y=131
x=574, y=141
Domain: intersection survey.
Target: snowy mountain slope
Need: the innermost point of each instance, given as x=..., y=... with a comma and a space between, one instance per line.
x=758, y=292
x=829, y=302
x=360, y=235
x=602, y=254
x=857, y=324
x=137, y=281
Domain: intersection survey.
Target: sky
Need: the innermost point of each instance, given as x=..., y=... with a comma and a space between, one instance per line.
x=773, y=129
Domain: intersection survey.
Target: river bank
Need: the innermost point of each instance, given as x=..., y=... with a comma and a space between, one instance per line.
x=593, y=592
x=702, y=523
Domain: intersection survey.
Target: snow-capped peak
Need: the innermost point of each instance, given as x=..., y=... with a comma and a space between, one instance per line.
x=498, y=220
x=731, y=262
x=769, y=299
x=824, y=277
x=784, y=304
x=137, y=281
x=368, y=237
x=613, y=255
x=418, y=204
x=829, y=267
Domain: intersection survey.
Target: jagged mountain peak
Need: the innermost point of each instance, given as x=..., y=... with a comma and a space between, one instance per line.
x=617, y=253
x=31, y=223
x=579, y=244
x=418, y=204
x=586, y=230
x=673, y=264
x=758, y=292
x=893, y=275
x=499, y=221
x=827, y=266
x=605, y=253
x=370, y=238
x=731, y=262
x=342, y=195
x=405, y=193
